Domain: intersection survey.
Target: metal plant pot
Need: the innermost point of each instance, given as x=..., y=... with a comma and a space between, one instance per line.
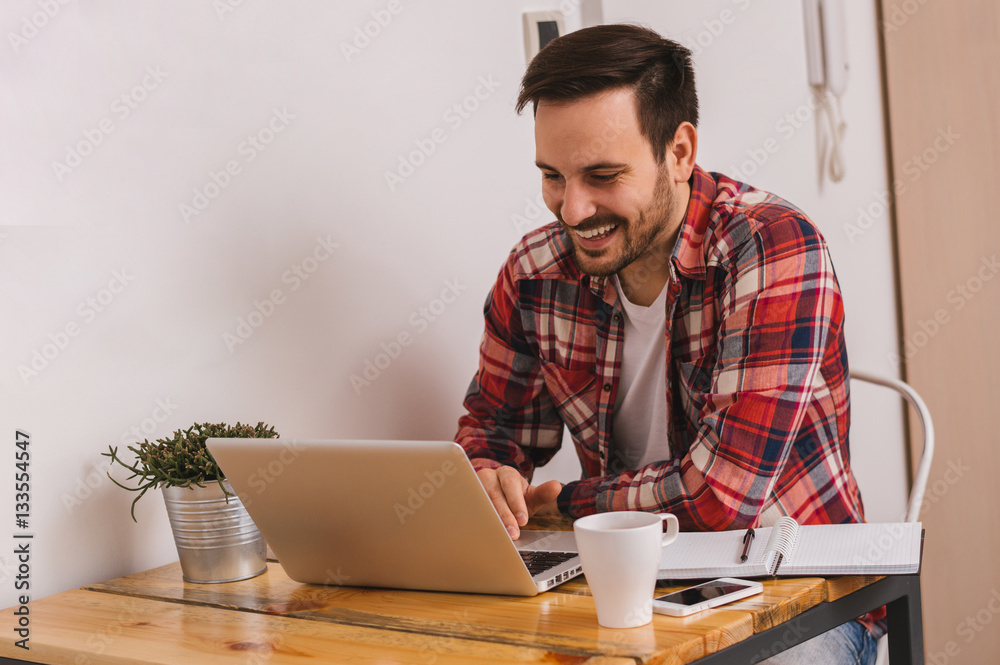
x=216, y=541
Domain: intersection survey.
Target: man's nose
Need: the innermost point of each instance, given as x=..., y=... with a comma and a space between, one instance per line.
x=577, y=204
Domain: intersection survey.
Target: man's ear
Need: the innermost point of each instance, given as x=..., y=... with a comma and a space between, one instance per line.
x=682, y=151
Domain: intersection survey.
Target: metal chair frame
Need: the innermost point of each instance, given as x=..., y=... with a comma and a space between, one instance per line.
x=927, y=426
x=916, y=491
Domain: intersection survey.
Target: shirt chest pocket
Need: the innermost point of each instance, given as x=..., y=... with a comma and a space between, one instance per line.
x=573, y=393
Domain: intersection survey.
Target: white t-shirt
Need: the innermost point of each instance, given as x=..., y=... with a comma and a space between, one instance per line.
x=639, y=433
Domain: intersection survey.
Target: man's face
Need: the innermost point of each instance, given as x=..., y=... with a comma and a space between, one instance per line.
x=602, y=182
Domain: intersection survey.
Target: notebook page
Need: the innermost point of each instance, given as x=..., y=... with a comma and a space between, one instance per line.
x=855, y=549
x=695, y=555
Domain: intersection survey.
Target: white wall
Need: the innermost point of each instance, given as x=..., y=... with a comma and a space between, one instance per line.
x=132, y=303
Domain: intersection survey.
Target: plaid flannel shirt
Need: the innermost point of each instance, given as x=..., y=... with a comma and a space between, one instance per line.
x=757, y=385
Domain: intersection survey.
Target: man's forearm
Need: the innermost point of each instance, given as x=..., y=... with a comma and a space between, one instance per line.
x=676, y=487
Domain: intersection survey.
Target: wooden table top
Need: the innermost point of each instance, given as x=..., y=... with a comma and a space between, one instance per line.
x=156, y=617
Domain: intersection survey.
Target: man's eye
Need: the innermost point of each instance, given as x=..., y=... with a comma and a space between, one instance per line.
x=605, y=177
x=550, y=176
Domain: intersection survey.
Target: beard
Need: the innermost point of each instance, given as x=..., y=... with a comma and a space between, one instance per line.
x=637, y=237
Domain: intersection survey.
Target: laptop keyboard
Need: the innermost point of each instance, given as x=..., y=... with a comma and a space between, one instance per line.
x=539, y=562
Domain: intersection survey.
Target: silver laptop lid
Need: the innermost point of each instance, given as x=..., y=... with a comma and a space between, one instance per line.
x=400, y=514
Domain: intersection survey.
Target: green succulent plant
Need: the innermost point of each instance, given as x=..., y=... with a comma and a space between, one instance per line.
x=181, y=460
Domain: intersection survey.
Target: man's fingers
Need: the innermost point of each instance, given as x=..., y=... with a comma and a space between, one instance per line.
x=544, y=494
x=514, y=499
x=491, y=483
x=549, y=491
x=514, y=486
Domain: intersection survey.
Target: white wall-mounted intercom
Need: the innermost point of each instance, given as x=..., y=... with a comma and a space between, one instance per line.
x=826, y=60
x=826, y=44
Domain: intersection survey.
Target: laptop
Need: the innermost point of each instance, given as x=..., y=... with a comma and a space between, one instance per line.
x=396, y=514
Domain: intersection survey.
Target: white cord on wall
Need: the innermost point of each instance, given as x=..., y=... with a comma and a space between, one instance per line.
x=832, y=156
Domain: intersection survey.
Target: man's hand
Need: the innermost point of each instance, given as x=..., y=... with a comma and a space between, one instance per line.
x=515, y=500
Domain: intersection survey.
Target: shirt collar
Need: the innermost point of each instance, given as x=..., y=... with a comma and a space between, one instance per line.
x=688, y=255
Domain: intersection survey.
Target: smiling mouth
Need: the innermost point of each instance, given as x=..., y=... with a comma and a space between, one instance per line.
x=596, y=234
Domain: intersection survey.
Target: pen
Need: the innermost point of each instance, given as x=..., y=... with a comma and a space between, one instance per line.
x=747, y=539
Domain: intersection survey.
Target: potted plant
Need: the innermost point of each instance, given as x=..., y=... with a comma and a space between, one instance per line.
x=216, y=539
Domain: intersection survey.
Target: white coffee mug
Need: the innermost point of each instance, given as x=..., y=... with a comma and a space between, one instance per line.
x=620, y=553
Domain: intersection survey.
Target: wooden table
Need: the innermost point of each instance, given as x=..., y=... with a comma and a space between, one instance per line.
x=156, y=617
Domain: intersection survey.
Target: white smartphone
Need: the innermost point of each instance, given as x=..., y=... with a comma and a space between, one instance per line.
x=704, y=596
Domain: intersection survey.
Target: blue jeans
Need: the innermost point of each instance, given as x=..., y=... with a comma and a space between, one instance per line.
x=849, y=644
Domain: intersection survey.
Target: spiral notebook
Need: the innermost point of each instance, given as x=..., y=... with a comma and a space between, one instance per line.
x=789, y=549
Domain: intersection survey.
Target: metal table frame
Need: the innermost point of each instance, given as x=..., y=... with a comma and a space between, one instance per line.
x=899, y=593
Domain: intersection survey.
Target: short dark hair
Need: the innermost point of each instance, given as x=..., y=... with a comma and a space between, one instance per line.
x=607, y=57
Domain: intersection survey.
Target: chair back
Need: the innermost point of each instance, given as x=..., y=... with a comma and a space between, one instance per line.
x=924, y=421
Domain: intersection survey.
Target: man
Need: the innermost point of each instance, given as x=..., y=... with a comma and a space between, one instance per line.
x=686, y=328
